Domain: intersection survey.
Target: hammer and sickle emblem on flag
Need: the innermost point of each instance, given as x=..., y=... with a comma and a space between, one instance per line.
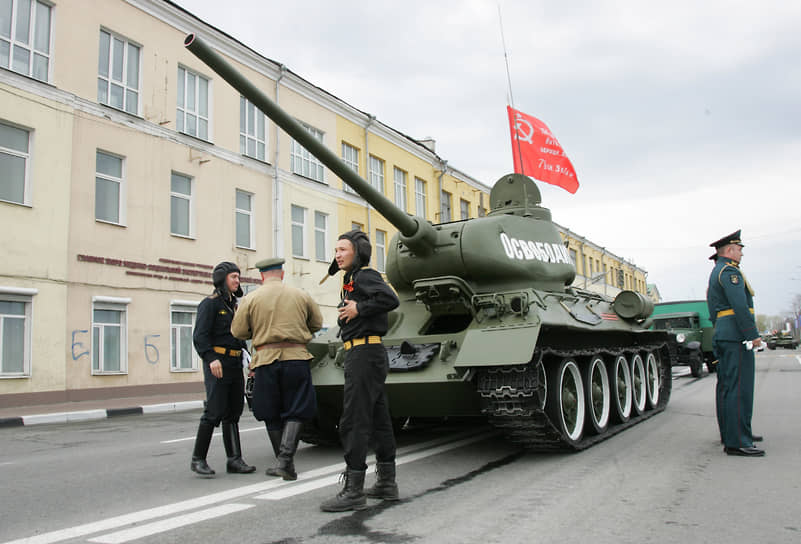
x=519, y=122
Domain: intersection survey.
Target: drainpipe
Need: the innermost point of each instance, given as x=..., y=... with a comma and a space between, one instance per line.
x=444, y=169
x=278, y=243
x=370, y=119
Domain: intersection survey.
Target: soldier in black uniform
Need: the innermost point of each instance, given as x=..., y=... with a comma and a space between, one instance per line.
x=366, y=299
x=222, y=371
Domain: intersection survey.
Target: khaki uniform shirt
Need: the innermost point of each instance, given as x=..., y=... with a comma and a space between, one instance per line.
x=276, y=313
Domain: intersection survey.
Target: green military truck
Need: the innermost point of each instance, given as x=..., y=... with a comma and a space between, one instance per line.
x=781, y=340
x=689, y=321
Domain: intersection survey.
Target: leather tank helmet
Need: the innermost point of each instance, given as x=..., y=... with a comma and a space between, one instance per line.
x=218, y=276
x=362, y=253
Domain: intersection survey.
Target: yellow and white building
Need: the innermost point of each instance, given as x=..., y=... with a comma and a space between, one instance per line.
x=128, y=169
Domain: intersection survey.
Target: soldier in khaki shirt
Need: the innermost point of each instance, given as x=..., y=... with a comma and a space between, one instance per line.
x=281, y=321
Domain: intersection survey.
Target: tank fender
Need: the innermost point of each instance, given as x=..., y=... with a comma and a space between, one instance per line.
x=498, y=346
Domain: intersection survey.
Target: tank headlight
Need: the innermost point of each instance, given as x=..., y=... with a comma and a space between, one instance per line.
x=680, y=338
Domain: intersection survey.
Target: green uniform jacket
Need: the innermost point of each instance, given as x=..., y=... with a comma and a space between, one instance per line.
x=731, y=303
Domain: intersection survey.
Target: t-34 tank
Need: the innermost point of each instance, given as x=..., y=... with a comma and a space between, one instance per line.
x=488, y=323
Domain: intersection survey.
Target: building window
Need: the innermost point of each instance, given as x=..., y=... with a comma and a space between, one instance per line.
x=356, y=226
x=445, y=207
x=25, y=29
x=252, y=139
x=109, y=335
x=321, y=236
x=109, y=188
x=15, y=332
x=182, y=321
x=118, y=73
x=464, y=209
x=193, y=104
x=351, y=157
x=573, y=256
x=420, y=197
x=400, y=188
x=304, y=163
x=380, y=250
x=377, y=174
x=244, y=219
x=14, y=155
x=298, y=231
x=181, y=205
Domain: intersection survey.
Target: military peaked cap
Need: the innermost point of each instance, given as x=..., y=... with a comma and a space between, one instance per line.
x=733, y=238
x=270, y=264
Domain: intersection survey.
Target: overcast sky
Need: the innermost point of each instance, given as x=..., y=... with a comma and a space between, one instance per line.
x=682, y=119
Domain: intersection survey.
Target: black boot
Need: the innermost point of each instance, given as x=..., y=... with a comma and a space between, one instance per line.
x=352, y=495
x=202, y=441
x=286, y=453
x=233, y=450
x=275, y=439
x=385, y=486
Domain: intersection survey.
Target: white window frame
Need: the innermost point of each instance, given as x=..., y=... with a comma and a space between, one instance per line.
x=113, y=304
x=400, y=187
x=249, y=213
x=13, y=42
x=420, y=197
x=108, y=80
x=445, y=206
x=350, y=155
x=377, y=173
x=182, y=196
x=302, y=225
x=303, y=163
x=252, y=130
x=464, y=209
x=182, y=110
x=189, y=307
x=26, y=182
x=380, y=250
x=321, y=232
x=24, y=295
x=121, y=202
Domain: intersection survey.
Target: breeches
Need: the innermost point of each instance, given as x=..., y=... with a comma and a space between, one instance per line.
x=283, y=391
x=225, y=397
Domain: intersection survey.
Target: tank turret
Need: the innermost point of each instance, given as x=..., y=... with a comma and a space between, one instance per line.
x=489, y=324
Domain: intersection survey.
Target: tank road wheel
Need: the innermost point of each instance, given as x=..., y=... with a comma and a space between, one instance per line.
x=652, y=380
x=639, y=395
x=596, y=390
x=620, y=379
x=542, y=385
x=566, y=404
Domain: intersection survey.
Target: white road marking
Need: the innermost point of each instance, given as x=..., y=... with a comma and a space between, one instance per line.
x=222, y=496
x=171, y=523
x=330, y=480
x=798, y=357
x=173, y=441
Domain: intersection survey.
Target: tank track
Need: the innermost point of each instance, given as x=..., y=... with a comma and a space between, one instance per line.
x=511, y=399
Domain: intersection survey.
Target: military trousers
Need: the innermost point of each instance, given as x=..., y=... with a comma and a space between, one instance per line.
x=225, y=397
x=734, y=393
x=365, y=409
x=283, y=391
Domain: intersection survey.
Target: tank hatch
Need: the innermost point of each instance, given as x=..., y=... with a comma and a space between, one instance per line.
x=517, y=194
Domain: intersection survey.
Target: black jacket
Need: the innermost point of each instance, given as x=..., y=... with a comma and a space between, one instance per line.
x=374, y=299
x=213, y=328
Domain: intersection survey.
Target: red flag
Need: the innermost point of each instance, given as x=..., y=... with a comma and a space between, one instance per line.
x=537, y=152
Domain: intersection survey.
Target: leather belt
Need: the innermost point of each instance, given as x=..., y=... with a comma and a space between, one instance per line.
x=360, y=341
x=226, y=351
x=280, y=345
x=724, y=313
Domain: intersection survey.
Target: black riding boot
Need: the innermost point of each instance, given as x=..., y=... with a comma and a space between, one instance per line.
x=286, y=453
x=275, y=439
x=233, y=450
x=385, y=486
x=352, y=495
x=202, y=441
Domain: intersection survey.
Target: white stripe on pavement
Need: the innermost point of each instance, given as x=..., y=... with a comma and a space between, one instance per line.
x=222, y=496
x=799, y=359
x=171, y=523
x=329, y=480
x=174, y=440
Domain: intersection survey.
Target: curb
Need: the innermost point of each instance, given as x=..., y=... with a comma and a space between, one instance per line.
x=87, y=415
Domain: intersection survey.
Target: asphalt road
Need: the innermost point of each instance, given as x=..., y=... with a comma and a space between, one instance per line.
x=665, y=480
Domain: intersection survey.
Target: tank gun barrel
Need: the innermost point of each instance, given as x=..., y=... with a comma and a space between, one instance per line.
x=417, y=233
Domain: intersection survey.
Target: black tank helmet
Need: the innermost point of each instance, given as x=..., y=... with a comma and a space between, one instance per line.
x=219, y=274
x=362, y=253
